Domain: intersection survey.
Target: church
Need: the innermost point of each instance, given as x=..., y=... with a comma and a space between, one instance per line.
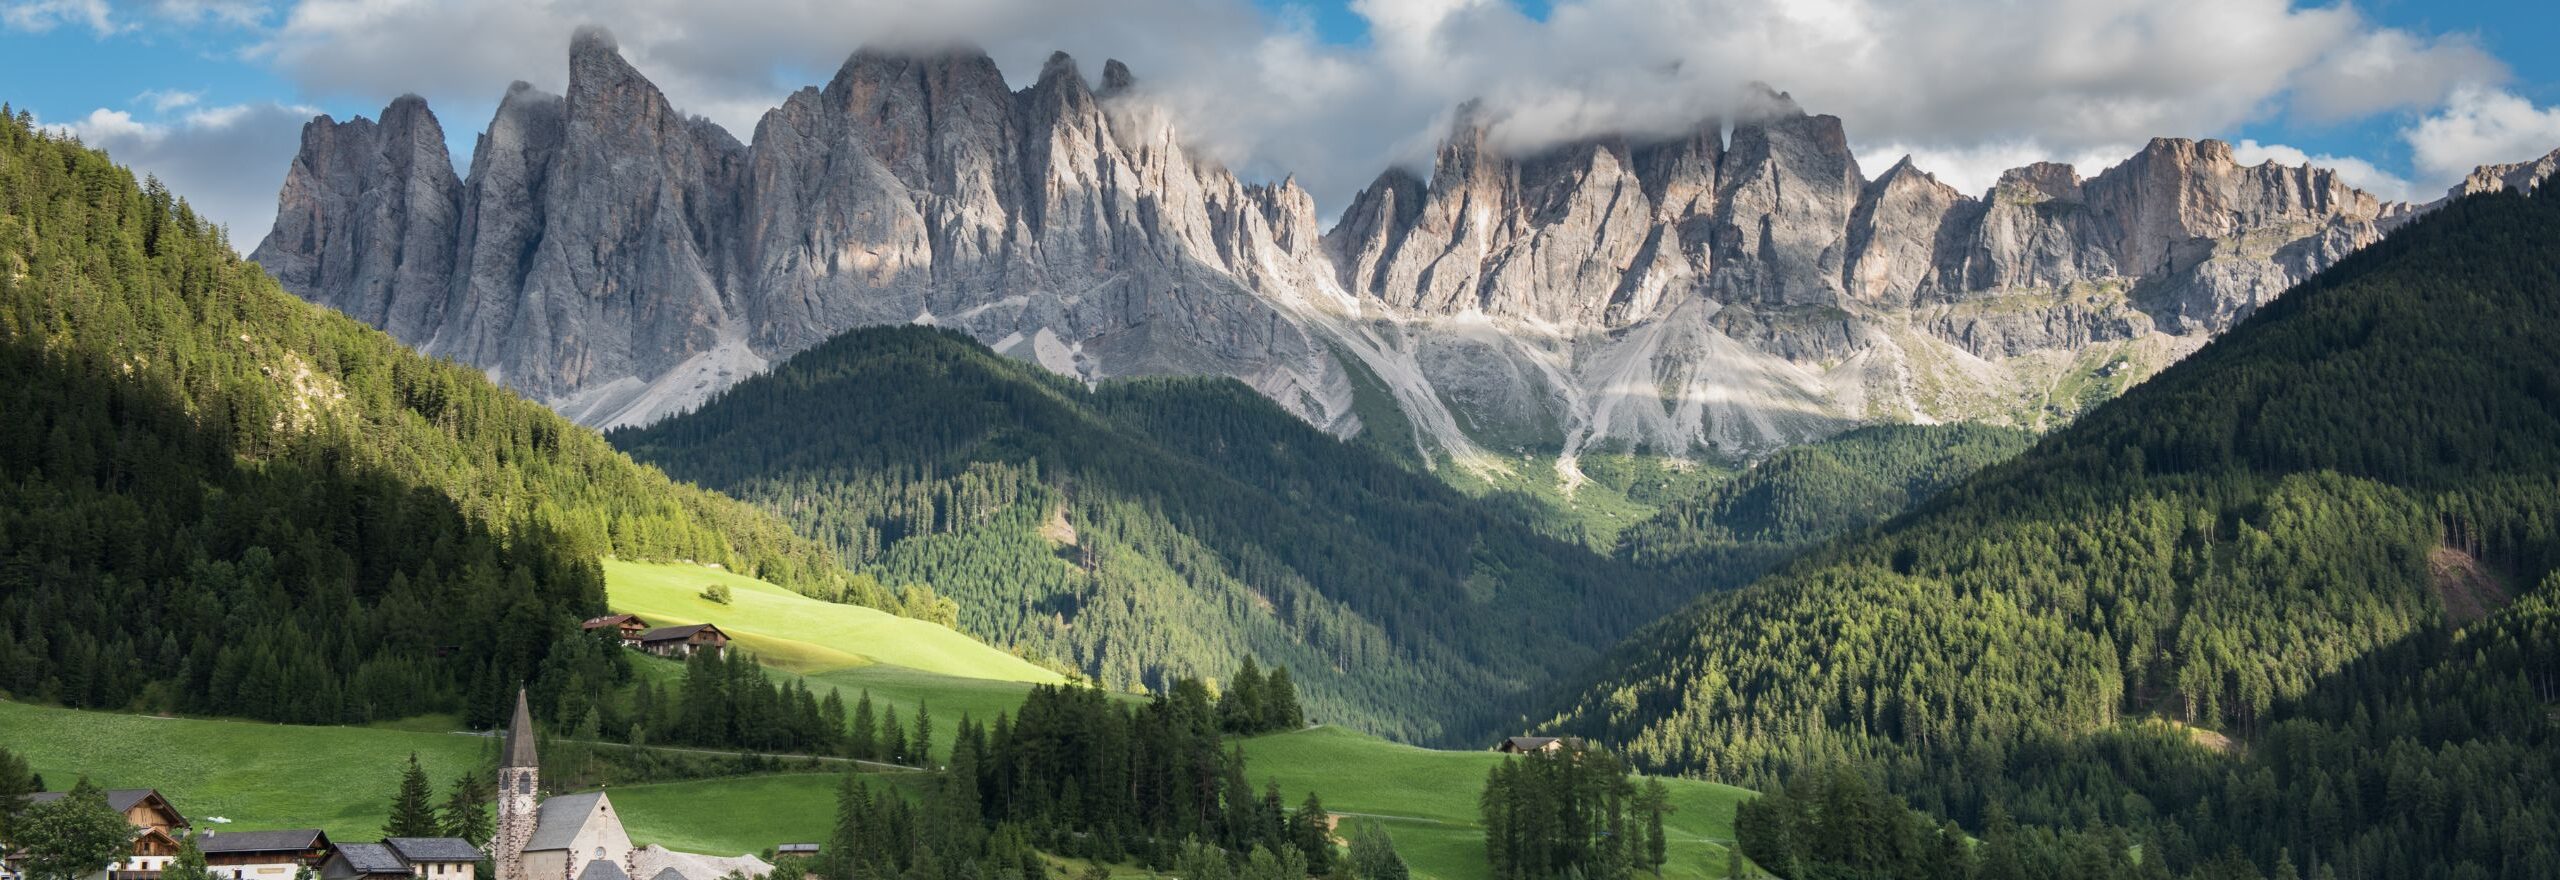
x=579, y=836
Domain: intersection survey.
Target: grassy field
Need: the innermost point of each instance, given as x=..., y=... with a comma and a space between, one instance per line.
x=903, y=663
x=803, y=634
x=1426, y=799
x=338, y=779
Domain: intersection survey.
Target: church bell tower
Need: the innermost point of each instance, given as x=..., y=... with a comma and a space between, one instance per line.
x=519, y=776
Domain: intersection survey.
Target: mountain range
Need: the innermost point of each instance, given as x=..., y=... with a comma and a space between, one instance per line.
x=1739, y=288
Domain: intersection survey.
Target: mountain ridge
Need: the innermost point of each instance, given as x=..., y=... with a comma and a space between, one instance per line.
x=1685, y=295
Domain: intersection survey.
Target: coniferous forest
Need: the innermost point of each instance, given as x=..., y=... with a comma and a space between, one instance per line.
x=1153, y=530
x=1148, y=530
x=2285, y=610
x=216, y=498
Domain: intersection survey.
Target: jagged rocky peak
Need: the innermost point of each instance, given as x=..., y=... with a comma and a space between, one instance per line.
x=2520, y=176
x=1677, y=291
x=364, y=214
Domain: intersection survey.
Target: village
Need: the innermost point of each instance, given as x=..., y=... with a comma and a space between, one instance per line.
x=566, y=837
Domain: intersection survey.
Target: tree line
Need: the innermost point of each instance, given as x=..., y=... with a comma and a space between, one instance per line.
x=1572, y=813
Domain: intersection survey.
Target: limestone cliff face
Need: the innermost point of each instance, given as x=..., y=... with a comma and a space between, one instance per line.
x=622, y=261
x=1704, y=293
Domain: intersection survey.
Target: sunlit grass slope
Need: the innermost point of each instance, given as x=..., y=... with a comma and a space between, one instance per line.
x=1426, y=799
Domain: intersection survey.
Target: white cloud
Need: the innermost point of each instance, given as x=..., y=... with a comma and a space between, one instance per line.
x=106, y=18
x=227, y=161
x=165, y=100
x=40, y=16
x=2480, y=126
x=2392, y=69
x=2356, y=172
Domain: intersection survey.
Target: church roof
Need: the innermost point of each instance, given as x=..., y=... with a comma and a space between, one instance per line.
x=520, y=736
x=603, y=869
x=557, y=824
x=669, y=874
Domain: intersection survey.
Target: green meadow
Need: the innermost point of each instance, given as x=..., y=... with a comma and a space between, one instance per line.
x=1426, y=799
x=258, y=775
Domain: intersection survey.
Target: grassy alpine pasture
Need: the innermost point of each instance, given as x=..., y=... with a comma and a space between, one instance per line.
x=903, y=663
x=258, y=775
x=802, y=634
x=1426, y=799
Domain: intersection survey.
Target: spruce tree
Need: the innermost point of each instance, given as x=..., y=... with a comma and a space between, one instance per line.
x=862, y=740
x=1312, y=831
x=413, y=811
x=1280, y=710
x=466, y=813
x=1240, y=708
x=893, y=738
x=922, y=744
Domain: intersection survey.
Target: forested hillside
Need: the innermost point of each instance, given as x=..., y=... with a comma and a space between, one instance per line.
x=217, y=498
x=1818, y=490
x=2255, y=614
x=1149, y=530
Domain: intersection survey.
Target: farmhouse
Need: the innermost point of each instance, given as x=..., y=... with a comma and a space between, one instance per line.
x=683, y=641
x=264, y=855
x=1524, y=745
x=579, y=836
x=628, y=625
x=158, y=825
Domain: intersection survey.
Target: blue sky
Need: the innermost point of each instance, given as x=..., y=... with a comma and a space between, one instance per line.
x=210, y=94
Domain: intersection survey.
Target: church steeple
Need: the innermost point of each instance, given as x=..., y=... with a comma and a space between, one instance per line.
x=520, y=736
x=519, y=806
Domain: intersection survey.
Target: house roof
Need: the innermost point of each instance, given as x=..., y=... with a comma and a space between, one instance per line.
x=434, y=849
x=796, y=848
x=613, y=620
x=118, y=799
x=372, y=858
x=557, y=823
x=286, y=840
x=665, y=633
x=602, y=869
x=669, y=874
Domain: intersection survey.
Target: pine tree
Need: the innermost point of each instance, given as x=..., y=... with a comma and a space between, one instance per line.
x=1654, y=802
x=1312, y=831
x=413, y=811
x=1240, y=707
x=893, y=738
x=1280, y=702
x=862, y=740
x=922, y=743
x=830, y=722
x=466, y=811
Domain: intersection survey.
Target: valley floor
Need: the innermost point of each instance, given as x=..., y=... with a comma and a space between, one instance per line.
x=341, y=779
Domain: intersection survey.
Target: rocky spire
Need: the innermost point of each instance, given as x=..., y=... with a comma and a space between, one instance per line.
x=520, y=735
